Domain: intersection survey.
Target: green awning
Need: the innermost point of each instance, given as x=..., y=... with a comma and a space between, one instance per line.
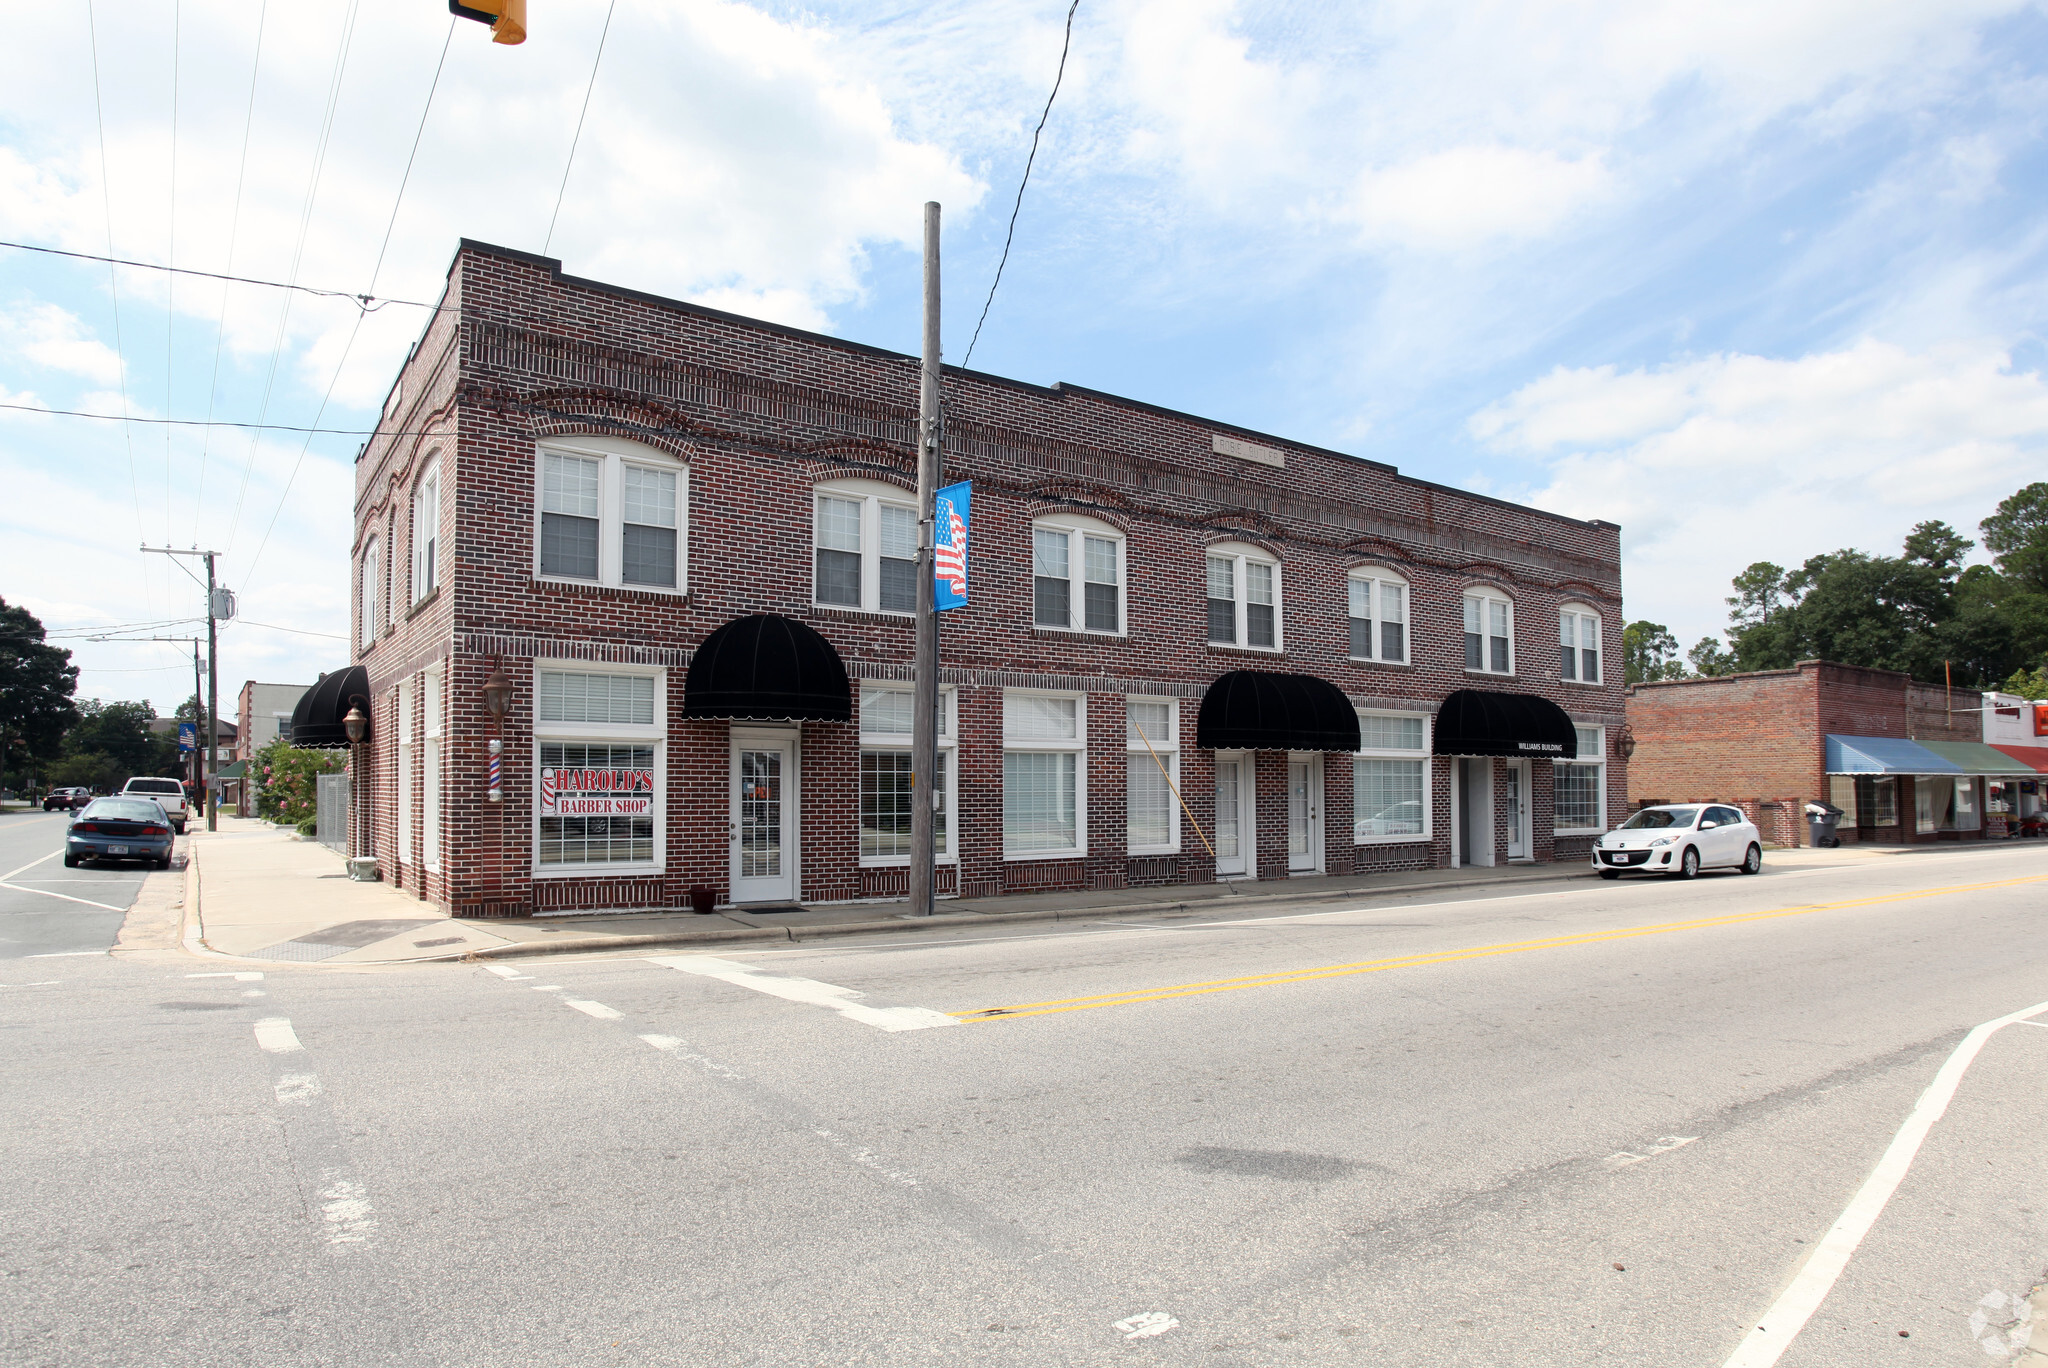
x=1974, y=757
x=234, y=771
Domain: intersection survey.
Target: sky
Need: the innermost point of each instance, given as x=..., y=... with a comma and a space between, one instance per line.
x=1755, y=281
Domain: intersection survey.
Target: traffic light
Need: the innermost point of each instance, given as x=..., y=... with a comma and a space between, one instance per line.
x=507, y=18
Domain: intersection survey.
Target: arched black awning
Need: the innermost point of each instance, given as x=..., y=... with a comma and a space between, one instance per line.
x=317, y=723
x=1254, y=710
x=767, y=668
x=1478, y=722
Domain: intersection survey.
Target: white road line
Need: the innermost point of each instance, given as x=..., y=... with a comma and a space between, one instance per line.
x=24, y=888
x=39, y=983
x=244, y=977
x=503, y=971
x=1665, y=1144
x=297, y=1088
x=845, y=1001
x=596, y=1009
x=1778, y=1327
x=668, y=1044
x=276, y=1035
x=65, y=954
x=30, y=865
x=2042, y=1024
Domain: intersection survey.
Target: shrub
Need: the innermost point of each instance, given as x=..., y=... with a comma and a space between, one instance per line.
x=310, y=828
x=288, y=777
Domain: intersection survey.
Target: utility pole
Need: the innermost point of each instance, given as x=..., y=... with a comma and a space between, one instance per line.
x=210, y=731
x=924, y=743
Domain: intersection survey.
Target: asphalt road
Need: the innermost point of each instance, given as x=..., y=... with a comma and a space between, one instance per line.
x=1597, y=1125
x=48, y=910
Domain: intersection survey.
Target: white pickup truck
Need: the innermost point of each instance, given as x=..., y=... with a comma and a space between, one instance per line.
x=169, y=792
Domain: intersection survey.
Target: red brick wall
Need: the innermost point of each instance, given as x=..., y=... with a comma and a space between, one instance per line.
x=760, y=414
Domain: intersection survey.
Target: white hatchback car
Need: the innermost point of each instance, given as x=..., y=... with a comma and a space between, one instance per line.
x=1681, y=839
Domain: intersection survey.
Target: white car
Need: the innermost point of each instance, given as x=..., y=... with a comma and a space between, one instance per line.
x=1681, y=839
x=168, y=792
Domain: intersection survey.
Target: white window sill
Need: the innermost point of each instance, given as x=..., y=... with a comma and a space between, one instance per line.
x=1577, y=831
x=571, y=582
x=1423, y=839
x=1491, y=674
x=637, y=868
x=891, y=862
x=1096, y=632
x=1382, y=664
x=1027, y=856
x=1583, y=683
x=1136, y=852
x=1246, y=650
x=878, y=614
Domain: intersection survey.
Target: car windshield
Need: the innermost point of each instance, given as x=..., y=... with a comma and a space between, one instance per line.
x=124, y=810
x=1650, y=819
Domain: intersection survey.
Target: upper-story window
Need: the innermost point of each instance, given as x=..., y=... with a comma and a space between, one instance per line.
x=612, y=512
x=1578, y=634
x=426, y=531
x=1244, y=597
x=373, y=576
x=1077, y=575
x=1379, y=616
x=1489, y=631
x=865, y=536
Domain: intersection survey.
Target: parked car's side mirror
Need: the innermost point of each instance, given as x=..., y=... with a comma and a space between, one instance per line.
x=1708, y=826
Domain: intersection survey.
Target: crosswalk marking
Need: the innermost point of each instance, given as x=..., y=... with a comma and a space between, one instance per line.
x=845, y=1001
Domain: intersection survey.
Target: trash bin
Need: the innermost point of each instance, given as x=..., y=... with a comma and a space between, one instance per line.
x=1821, y=821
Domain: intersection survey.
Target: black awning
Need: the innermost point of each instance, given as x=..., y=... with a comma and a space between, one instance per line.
x=317, y=723
x=767, y=669
x=1478, y=722
x=1254, y=710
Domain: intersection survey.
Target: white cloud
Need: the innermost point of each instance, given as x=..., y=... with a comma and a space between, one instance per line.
x=1711, y=464
x=54, y=338
x=1471, y=195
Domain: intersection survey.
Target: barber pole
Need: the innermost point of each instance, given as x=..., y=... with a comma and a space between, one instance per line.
x=497, y=771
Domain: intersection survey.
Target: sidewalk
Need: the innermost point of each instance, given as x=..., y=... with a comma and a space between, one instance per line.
x=259, y=892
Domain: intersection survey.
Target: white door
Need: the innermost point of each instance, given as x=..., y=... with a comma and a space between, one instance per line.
x=1304, y=815
x=1517, y=803
x=1234, y=827
x=763, y=818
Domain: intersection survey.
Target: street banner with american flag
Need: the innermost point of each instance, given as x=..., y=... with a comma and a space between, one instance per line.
x=951, y=519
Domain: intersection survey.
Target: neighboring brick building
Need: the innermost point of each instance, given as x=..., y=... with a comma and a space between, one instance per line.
x=1773, y=740
x=582, y=484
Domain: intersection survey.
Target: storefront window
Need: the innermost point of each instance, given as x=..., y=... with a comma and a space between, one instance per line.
x=1390, y=779
x=887, y=722
x=1581, y=785
x=1945, y=805
x=581, y=777
x=1044, y=737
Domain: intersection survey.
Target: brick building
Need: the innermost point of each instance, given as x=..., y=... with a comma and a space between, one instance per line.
x=1905, y=761
x=685, y=537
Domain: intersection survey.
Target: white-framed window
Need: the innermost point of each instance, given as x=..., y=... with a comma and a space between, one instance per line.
x=1045, y=775
x=1390, y=793
x=433, y=706
x=888, y=719
x=1489, y=631
x=864, y=538
x=426, y=531
x=408, y=763
x=599, y=742
x=373, y=576
x=1151, y=774
x=1379, y=616
x=1579, y=787
x=611, y=512
x=391, y=571
x=1077, y=575
x=1244, y=597
x=1578, y=635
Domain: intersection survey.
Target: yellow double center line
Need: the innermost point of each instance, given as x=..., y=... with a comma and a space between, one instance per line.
x=1281, y=977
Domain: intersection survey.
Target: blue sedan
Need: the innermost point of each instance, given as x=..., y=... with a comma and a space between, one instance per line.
x=119, y=829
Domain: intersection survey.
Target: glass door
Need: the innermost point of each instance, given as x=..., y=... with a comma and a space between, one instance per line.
x=1517, y=777
x=1233, y=817
x=763, y=808
x=1304, y=815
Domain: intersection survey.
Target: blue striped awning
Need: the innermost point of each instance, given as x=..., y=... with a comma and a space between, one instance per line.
x=1885, y=755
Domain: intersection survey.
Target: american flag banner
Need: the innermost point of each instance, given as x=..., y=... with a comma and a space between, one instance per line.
x=952, y=516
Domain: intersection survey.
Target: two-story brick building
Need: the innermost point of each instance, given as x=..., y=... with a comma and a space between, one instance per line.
x=687, y=539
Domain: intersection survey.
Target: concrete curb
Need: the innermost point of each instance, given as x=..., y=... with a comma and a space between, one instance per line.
x=787, y=934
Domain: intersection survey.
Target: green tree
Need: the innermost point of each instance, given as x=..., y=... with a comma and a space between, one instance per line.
x=37, y=681
x=2017, y=536
x=1708, y=658
x=1649, y=652
x=2028, y=683
x=121, y=733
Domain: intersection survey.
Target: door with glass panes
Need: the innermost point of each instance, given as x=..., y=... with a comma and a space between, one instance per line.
x=764, y=794
x=1236, y=832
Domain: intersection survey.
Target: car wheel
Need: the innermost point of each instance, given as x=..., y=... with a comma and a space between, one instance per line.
x=179, y=828
x=1689, y=863
x=163, y=862
x=1610, y=873
x=1753, y=862
x=70, y=860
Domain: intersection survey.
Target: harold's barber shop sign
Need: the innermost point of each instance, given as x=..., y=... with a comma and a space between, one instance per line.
x=596, y=792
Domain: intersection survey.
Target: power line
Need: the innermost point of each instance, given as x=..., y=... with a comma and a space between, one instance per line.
x=249, y=575
x=1024, y=181
x=301, y=631
x=367, y=303
x=220, y=328
x=199, y=422
x=113, y=287
x=602, y=35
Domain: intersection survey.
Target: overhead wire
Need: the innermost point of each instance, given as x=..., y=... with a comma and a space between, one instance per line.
x=1025, y=180
x=220, y=330
x=397, y=201
x=201, y=422
x=604, y=33
x=114, y=289
x=367, y=303
x=347, y=39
